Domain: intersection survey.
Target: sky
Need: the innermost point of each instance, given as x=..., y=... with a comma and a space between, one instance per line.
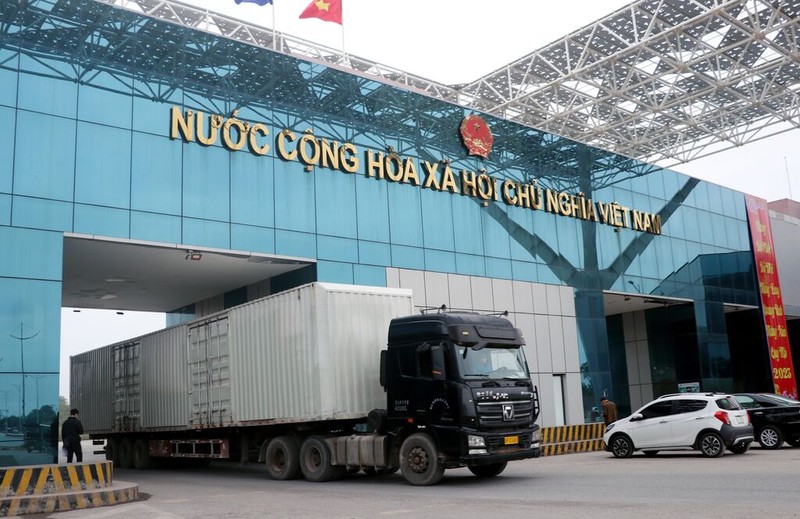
x=450, y=42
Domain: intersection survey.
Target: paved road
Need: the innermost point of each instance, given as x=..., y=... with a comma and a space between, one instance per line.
x=594, y=485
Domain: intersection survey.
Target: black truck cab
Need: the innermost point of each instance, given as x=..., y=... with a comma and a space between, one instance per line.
x=462, y=379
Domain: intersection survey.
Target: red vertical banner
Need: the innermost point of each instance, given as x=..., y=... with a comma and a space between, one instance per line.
x=780, y=354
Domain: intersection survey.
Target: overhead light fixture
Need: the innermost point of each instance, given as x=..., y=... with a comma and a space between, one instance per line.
x=192, y=255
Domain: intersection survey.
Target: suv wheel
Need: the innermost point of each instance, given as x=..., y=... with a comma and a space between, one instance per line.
x=770, y=437
x=711, y=445
x=621, y=446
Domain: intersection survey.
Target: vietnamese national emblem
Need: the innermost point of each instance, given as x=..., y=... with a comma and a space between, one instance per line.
x=477, y=135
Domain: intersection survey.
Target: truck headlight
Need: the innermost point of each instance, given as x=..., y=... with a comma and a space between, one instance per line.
x=475, y=441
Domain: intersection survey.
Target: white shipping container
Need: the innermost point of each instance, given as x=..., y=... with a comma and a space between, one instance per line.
x=311, y=353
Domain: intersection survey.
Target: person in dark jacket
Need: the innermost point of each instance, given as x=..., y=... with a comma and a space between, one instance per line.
x=609, y=410
x=71, y=431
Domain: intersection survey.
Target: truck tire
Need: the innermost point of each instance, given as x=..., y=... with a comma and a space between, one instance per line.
x=488, y=471
x=125, y=453
x=112, y=447
x=315, y=461
x=283, y=458
x=419, y=460
x=141, y=454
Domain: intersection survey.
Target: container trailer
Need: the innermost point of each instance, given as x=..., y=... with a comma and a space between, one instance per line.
x=318, y=381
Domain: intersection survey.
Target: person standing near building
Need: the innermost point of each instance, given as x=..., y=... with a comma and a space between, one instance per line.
x=71, y=431
x=609, y=410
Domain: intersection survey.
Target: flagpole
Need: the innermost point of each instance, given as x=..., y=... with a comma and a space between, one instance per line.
x=344, y=49
x=274, y=34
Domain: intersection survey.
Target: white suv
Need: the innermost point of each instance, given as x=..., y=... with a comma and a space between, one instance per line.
x=708, y=422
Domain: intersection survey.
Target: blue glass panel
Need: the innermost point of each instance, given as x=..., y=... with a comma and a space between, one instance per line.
x=546, y=275
x=103, y=166
x=8, y=120
x=369, y=275
x=437, y=214
x=155, y=227
x=495, y=235
x=523, y=271
x=30, y=315
x=41, y=214
x=715, y=198
x=372, y=253
x=155, y=175
x=570, y=244
x=334, y=272
x=718, y=227
x=404, y=210
x=337, y=249
x=44, y=162
x=5, y=209
x=8, y=82
x=468, y=215
x=30, y=254
x=691, y=223
x=299, y=244
x=407, y=257
x=206, y=182
x=91, y=219
x=50, y=96
x=498, y=268
x=373, y=209
x=521, y=236
x=252, y=239
x=440, y=261
x=470, y=265
x=152, y=116
x=253, y=189
x=104, y=107
x=655, y=187
x=336, y=203
x=294, y=197
x=206, y=233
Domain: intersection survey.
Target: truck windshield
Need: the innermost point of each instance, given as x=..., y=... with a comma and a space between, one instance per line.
x=491, y=362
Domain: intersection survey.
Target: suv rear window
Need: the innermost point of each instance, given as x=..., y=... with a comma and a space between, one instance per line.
x=690, y=406
x=728, y=404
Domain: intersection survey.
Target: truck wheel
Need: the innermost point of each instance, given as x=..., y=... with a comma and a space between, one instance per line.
x=112, y=446
x=141, y=454
x=315, y=461
x=488, y=471
x=283, y=458
x=125, y=453
x=419, y=460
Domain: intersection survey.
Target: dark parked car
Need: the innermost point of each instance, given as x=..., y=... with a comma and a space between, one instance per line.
x=775, y=418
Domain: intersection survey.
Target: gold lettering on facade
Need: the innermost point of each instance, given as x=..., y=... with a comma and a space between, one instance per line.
x=312, y=151
x=431, y=180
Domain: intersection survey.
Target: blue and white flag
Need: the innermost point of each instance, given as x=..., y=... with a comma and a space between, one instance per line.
x=259, y=2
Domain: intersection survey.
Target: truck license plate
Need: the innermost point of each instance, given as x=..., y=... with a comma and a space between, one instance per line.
x=511, y=440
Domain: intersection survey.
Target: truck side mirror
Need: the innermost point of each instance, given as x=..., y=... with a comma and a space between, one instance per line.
x=437, y=356
x=383, y=369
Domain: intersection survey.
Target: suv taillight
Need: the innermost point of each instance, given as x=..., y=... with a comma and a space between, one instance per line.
x=722, y=416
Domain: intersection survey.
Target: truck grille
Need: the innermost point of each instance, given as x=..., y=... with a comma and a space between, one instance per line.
x=497, y=413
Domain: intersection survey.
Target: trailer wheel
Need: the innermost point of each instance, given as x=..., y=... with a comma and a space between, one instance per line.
x=283, y=458
x=125, y=453
x=419, y=460
x=112, y=448
x=315, y=461
x=141, y=454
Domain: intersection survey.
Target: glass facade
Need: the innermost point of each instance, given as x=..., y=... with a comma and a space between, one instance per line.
x=88, y=147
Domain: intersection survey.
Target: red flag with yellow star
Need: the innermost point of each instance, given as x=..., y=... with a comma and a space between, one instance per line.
x=326, y=10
